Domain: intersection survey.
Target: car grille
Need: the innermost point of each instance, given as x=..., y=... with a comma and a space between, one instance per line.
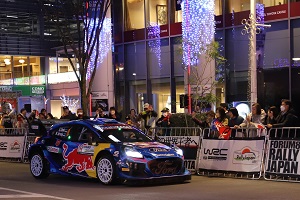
x=165, y=166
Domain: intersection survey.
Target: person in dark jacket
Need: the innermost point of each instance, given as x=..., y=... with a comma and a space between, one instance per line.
x=286, y=118
x=165, y=122
x=68, y=114
x=234, y=118
x=272, y=115
x=100, y=113
x=113, y=114
x=80, y=114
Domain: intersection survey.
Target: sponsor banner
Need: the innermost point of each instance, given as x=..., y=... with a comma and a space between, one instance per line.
x=283, y=157
x=11, y=147
x=231, y=155
x=190, y=164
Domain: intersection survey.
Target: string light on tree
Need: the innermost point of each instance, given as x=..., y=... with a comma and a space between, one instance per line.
x=73, y=104
x=198, y=28
x=155, y=45
x=104, y=42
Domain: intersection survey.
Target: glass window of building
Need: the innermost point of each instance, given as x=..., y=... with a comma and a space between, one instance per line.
x=134, y=14
x=5, y=70
x=161, y=96
x=218, y=7
x=157, y=12
x=60, y=65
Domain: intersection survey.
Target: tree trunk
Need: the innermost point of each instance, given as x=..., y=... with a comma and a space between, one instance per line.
x=84, y=98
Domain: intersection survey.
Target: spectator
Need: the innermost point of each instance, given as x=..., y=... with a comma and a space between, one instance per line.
x=7, y=123
x=67, y=114
x=286, y=117
x=225, y=107
x=165, y=122
x=257, y=116
x=100, y=113
x=272, y=115
x=113, y=114
x=32, y=115
x=132, y=118
x=50, y=116
x=234, y=118
x=80, y=114
x=210, y=115
x=148, y=115
x=44, y=112
x=219, y=125
x=41, y=116
x=22, y=121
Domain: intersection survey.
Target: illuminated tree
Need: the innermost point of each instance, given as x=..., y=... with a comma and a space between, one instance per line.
x=85, y=34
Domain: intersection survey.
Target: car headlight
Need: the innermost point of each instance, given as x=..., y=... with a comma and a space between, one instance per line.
x=130, y=152
x=179, y=151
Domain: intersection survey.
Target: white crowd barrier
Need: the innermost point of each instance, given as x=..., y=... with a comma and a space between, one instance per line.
x=12, y=142
x=282, y=155
x=241, y=155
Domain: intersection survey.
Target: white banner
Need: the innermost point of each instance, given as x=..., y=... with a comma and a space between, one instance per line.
x=180, y=141
x=11, y=146
x=283, y=157
x=231, y=155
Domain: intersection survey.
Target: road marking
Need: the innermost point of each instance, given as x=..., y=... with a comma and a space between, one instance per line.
x=27, y=195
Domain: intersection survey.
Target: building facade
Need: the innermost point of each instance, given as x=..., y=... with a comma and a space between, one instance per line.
x=144, y=76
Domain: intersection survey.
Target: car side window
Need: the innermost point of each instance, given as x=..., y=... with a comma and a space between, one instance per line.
x=61, y=132
x=74, y=133
x=88, y=136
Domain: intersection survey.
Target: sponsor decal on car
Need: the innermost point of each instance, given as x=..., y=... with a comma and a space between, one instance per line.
x=86, y=149
x=81, y=162
x=53, y=149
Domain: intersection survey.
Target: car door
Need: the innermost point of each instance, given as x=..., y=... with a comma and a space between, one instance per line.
x=78, y=151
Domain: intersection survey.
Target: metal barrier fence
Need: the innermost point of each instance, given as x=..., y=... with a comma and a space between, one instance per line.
x=187, y=138
x=282, y=155
x=241, y=156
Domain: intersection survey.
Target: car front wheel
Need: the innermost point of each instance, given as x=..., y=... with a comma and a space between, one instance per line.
x=38, y=166
x=106, y=170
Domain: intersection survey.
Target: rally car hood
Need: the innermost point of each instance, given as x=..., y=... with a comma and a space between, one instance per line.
x=153, y=149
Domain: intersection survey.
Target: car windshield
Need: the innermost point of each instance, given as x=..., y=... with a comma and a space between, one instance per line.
x=124, y=135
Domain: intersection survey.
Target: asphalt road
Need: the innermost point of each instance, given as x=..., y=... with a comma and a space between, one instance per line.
x=16, y=182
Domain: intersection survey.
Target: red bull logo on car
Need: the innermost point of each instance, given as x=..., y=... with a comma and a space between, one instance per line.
x=81, y=162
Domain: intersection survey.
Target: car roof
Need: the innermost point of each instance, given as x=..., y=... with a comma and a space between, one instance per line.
x=91, y=122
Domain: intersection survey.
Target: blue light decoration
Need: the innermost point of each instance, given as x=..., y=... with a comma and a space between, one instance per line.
x=198, y=28
x=104, y=45
x=155, y=46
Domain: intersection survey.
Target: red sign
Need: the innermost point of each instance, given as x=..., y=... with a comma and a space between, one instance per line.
x=276, y=12
x=295, y=9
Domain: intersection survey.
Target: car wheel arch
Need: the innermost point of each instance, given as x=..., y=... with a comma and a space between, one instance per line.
x=101, y=154
x=35, y=149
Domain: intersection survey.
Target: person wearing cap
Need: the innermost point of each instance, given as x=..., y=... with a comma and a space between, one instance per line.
x=67, y=114
x=164, y=121
x=148, y=115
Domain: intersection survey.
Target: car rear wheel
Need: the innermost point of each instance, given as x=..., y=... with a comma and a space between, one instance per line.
x=38, y=166
x=106, y=171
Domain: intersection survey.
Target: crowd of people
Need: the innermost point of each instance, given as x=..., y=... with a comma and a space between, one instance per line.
x=223, y=117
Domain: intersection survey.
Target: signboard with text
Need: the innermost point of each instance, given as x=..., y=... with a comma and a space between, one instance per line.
x=231, y=155
x=283, y=157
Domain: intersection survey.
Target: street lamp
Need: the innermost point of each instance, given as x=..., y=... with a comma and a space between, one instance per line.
x=252, y=28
